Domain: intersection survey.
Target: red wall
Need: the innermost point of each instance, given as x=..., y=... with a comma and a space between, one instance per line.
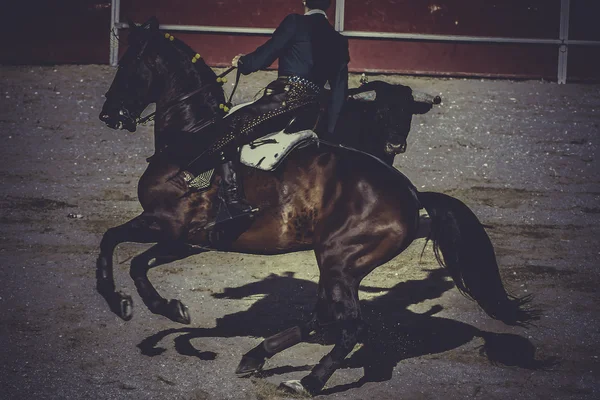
x=459, y=59
x=507, y=18
x=584, y=61
x=501, y=18
x=55, y=31
x=240, y=13
x=217, y=49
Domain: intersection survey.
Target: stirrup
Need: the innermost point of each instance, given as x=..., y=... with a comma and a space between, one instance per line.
x=228, y=214
x=233, y=211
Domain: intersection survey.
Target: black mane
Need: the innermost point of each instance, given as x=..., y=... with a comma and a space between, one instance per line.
x=199, y=73
x=181, y=122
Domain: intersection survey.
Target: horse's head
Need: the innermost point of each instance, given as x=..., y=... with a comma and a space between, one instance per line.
x=133, y=87
x=394, y=107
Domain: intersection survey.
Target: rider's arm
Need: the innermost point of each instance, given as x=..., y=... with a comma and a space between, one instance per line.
x=339, y=89
x=266, y=54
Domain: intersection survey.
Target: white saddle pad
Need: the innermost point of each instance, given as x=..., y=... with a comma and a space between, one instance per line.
x=267, y=152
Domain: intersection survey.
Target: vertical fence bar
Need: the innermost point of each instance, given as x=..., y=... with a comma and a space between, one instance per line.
x=340, y=6
x=563, y=49
x=114, y=42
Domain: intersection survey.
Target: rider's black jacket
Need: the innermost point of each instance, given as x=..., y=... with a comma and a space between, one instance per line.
x=309, y=47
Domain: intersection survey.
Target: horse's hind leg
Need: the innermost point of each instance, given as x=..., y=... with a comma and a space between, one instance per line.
x=139, y=230
x=338, y=310
x=338, y=307
x=254, y=360
x=160, y=254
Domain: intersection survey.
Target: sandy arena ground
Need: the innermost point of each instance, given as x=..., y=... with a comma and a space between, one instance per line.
x=522, y=155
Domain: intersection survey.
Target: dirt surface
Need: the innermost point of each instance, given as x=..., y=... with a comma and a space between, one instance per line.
x=522, y=155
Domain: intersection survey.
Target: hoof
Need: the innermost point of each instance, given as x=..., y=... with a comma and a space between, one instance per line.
x=122, y=305
x=178, y=312
x=125, y=307
x=249, y=366
x=294, y=387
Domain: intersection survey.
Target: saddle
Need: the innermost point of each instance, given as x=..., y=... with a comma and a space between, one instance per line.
x=267, y=152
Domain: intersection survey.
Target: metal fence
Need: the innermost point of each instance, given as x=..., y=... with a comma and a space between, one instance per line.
x=562, y=43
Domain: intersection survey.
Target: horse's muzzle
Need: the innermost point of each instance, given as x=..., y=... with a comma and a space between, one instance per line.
x=123, y=121
x=395, y=148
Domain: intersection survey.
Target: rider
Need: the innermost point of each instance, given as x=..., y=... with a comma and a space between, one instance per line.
x=310, y=53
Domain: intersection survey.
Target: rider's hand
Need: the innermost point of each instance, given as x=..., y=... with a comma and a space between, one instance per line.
x=236, y=59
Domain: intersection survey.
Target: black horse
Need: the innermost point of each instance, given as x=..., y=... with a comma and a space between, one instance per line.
x=353, y=210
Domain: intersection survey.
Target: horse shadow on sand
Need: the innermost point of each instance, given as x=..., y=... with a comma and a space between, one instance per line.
x=395, y=332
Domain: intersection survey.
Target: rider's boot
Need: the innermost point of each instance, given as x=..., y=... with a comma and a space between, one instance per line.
x=236, y=205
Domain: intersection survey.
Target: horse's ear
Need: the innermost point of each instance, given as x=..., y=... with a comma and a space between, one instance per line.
x=152, y=24
x=369, y=95
x=131, y=24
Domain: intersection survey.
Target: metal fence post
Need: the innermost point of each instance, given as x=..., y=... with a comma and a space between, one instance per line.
x=563, y=48
x=340, y=6
x=114, y=42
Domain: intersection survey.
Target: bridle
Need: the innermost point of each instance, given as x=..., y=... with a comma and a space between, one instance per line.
x=181, y=99
x=128, y=119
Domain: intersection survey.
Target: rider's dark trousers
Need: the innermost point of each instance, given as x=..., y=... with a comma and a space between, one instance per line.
x=281, y=99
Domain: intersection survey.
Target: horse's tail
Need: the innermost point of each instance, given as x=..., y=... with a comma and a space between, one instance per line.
x=469, y=256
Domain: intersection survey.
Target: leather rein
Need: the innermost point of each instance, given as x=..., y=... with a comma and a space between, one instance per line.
x=193, y=93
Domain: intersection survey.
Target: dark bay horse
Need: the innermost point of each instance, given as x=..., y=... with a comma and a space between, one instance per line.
x=353, y=210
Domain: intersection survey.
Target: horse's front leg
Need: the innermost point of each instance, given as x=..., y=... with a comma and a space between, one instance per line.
x=160, y=254
x=141, y=230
